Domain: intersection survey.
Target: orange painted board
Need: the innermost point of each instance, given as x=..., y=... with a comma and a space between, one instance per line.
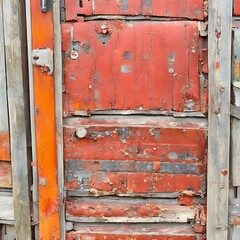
x=42, y=37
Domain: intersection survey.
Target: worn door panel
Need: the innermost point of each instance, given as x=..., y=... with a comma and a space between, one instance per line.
x=236, y=7
x=136, y=232
x=192, y=9
x=132, y=65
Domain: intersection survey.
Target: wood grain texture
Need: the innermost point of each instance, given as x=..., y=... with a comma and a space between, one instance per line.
x=14, y=30
x=4, y=127
x=220, y=21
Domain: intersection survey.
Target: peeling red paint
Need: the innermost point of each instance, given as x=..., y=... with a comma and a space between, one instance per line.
x=186, y=198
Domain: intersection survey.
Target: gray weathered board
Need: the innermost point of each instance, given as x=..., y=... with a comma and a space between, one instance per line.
x=16, y=71
x=3, y=88
x=220, y=22
x=6, y=209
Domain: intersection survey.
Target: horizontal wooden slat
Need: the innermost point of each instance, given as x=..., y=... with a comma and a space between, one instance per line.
x=147, y=72
x=122, y=210
x=146, y=139
x=136, y=232
x=176, y=8
x=112, y=183
x=5, y=175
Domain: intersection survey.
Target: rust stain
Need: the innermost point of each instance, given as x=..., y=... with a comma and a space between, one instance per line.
x=224, y=172
x=186, y=198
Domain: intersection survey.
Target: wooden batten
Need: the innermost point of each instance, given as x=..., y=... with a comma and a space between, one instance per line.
x=220, y=20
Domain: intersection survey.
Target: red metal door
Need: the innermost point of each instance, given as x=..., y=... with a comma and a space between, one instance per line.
x=132, y=170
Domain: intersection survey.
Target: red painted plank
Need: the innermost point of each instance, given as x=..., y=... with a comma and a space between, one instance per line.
x=5, y=175
x=148, y=71
x=236, y=7
x=112, y=183
x=133, y=232
x=4, y=146
x=192, y=9
x=138, y=139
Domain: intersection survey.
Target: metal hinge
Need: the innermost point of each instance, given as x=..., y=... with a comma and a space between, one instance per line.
x=43, y=57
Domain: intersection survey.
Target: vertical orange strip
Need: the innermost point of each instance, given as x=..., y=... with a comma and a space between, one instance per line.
x=42, y=37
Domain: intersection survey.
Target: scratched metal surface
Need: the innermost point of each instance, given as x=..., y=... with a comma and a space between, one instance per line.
x=123, y=65
x=193, y=9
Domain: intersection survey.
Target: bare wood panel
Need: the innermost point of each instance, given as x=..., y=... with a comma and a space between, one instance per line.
x=136, y=232
x=150, y=71
x=193, y=9
x=4, y=127
x=16, y=66
x=220, y=22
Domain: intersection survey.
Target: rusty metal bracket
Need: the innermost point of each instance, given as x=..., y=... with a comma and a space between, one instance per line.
x=43, y=57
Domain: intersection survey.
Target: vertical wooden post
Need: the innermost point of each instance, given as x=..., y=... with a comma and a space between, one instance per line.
x=16, y=68
x=4, y=128
x=45, y=122
x=58, y=74
x=220, y=22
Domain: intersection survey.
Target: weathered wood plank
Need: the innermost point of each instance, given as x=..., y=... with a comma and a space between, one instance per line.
x=6, y=210
x=58, y=74
x=4, y=127
x=14, y=30
x=220, y=21
x=235, y=151
x=120, y=210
